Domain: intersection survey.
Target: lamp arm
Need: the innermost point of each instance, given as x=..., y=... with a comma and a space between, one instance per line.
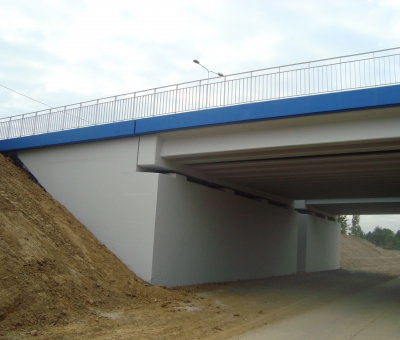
x=218, y=74
x=205, y=68
x=208, y=71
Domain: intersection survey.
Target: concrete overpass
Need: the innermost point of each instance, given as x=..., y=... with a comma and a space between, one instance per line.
x=234, y=190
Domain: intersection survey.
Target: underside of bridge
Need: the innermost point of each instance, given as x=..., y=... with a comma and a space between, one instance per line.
x=343, y=163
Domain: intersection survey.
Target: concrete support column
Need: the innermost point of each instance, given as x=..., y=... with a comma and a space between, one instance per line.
x=209, y=235
x=318, y=244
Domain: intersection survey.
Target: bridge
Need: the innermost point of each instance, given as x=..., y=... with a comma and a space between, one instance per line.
x=227, y=178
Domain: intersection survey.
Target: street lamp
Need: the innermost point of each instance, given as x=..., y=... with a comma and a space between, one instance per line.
x=208, y=71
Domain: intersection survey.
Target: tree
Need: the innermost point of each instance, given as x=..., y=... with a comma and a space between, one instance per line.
x=355, y=228
x=392, y=242
x=384, y=238
x=344, y=224
x=378, y=236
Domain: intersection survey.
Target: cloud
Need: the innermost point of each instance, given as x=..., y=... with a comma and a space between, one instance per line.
x=89, y=49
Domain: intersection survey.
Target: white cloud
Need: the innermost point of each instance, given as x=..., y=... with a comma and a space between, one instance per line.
x=92, y=48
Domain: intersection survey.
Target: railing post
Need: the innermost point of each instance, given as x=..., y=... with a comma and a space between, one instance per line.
x=79, y=115
x=48, y=121
x=35, y=124
x=9, y=128
x=154, y=103
x=208, y=89
x=251, y=86
x=373, y=60
x=224, y=82
x=133, y=105
x=279, y=83
x=199, y=95
x=115, y=108
x=176, y=98
x=63, y=122
x=96, y=113
x=22, y=123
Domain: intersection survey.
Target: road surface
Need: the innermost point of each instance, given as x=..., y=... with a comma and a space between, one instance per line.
x=372, y=314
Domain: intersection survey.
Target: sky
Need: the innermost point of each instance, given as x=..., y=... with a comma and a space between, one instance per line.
x=66, y=51
x=370, y=222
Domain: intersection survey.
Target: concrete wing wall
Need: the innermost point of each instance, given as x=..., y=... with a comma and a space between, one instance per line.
x=99, y=185
x=206, y=235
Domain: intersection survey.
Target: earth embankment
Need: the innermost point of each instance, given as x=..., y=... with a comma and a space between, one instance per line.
x=52, y=269
x=359, y=254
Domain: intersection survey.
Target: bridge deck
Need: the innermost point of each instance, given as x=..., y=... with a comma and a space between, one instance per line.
x=320, y=104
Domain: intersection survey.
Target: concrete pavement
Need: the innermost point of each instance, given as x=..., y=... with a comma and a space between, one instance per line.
x=372, y=314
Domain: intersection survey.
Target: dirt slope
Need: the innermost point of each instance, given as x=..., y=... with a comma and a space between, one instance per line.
x=359, y=254
x=52, y=269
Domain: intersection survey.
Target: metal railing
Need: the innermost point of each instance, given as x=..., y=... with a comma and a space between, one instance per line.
x=371, y=69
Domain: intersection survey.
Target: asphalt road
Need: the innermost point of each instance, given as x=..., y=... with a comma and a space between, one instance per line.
x=373, y=314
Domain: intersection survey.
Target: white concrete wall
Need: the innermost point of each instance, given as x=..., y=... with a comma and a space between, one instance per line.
x=319, y=244
x=302, y=244
x=174, y=232
x=206, y=235
x=98, y=183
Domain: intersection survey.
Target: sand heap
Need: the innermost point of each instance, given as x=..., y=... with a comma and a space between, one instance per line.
x=359, y=254
x=52, y=269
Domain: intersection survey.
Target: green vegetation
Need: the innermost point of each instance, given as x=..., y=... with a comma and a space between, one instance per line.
x=384, y=238
x=355, y=228
x=344, y=224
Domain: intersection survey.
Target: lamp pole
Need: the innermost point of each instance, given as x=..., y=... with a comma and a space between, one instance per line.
x=208, y=71
x=208, y=78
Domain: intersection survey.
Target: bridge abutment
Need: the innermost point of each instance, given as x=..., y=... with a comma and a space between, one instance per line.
x=172, y=231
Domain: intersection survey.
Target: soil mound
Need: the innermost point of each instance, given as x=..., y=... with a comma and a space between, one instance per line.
x=52, y=269
x=359, y=254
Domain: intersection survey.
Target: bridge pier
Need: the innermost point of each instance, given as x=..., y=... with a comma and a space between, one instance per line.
x=172, y=231
x=204, y=235
x=318, y=244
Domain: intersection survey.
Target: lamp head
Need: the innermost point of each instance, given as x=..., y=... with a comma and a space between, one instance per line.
x=220, y=74
x=196, y=61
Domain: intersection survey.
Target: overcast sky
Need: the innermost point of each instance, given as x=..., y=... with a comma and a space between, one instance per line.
x=63, y=52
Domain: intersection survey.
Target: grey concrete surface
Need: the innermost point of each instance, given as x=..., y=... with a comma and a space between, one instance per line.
x=318, y=244
x=370, y=315
x=205, y=235
x=98, y=183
